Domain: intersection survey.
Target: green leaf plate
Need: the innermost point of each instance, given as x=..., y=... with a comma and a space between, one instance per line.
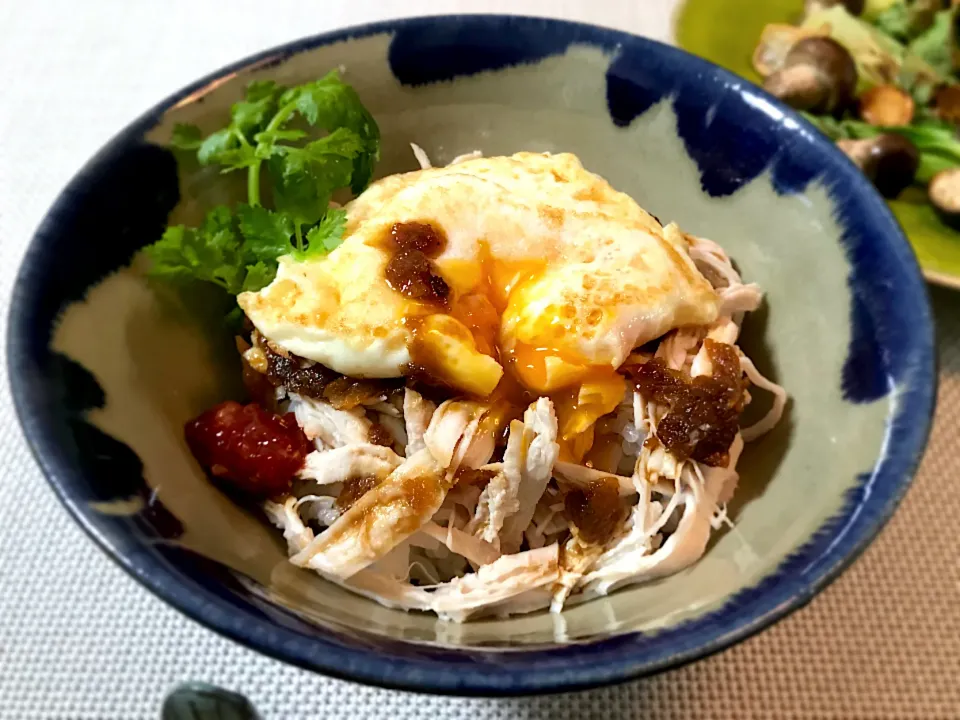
x=726, y=32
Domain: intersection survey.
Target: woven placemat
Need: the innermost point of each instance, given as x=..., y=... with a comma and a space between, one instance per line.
x=79, y=639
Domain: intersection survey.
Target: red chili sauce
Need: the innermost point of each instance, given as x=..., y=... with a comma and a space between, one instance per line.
x=254, y=450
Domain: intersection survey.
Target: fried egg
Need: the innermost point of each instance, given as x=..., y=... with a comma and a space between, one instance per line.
x=552, y=275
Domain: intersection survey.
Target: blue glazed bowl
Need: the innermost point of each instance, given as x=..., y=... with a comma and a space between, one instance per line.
x=106, y=366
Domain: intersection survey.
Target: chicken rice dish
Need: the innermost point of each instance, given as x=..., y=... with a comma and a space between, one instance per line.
x=487, y=388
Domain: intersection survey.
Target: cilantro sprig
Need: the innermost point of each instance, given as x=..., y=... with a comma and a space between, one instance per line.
x=238, y=248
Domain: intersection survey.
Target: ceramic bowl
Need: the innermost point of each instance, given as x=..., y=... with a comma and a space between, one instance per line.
x=106, y=367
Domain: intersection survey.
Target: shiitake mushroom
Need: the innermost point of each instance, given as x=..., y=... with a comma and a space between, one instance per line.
x=818, y=75
x=944, y=194
x=889, y=161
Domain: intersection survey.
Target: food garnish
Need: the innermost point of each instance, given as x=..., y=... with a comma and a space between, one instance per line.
x=237, y=248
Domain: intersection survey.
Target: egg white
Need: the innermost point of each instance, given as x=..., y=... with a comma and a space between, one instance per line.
x=578, y=270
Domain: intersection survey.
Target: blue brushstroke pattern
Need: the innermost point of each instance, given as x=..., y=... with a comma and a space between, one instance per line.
x=717, y=120
x=420, y=54
x=718, y=127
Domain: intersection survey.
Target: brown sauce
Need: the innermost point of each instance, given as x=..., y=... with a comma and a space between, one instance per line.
x=424, y=237
x=480, y=317
x=379, y=435
x=290, y=372
x=704, y=415
x=411, y=273
x=469, y=476
x=420, y=378
x=410, y=270
x=346, y=393
x=410, y=501
x=259, y=388
x=595, y=509
x=320, y=382
x=354, y=489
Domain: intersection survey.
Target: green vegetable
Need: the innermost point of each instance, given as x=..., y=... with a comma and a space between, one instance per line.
x=934, y=45
x=935, y=139
x=873, y=8
x=895, y=21
x=238, y=250
x=880, y=59
x=328, y=232
x=906, y=19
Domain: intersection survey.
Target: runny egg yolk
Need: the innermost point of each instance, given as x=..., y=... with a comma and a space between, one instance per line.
x=546, y=368
x=582, y=392
x=481, y=318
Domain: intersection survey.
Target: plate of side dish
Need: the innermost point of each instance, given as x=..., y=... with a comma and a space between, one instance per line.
x=902, y=109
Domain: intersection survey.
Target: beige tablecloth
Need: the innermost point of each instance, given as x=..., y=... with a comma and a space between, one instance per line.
x=79, y=639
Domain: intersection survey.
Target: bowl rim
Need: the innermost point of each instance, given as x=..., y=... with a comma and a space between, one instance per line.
x=575, y=666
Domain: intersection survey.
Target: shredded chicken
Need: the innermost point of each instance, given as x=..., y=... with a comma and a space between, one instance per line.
x=630, y=561
x=477, y=551
x=322, y=509
x=452, y=436
x=499, y=498
x=740, y=298
x=424, y=160
x=472, y=155
x=770, y=420
x=349, y=461
x=381, y=519
x=447, y=521
x=417, y=413
x=328, y=427
x=421, y=155
x=536, y=469
x=285, y=517
x=505, y=578
x=582, y=475
x=576, y=558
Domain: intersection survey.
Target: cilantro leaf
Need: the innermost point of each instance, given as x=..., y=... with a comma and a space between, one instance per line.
x=270, y=137
x=231, y=146
x=234, y=321
x=215, y=145
x=325, y=236
x=266, y=234
x=341, y=143
x=305, y=178
x=330, y=103
x=167, y=254
x=239, y=250
x=211, y=252
x=252, y=114
x=259, y=276
x=267, y=141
